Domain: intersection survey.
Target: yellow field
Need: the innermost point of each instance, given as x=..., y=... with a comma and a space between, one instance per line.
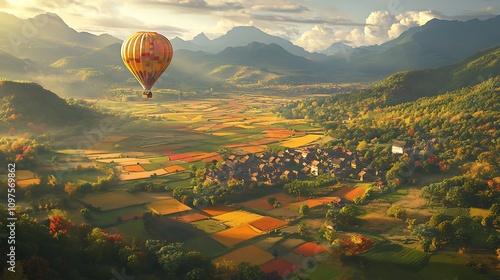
x=233, y=236
x=300, y=141
x=168, y=206
x=479, y=212
x=112, y=200
x=237, y=218
x=250, y=254
x=24, y=174
x=125, y=176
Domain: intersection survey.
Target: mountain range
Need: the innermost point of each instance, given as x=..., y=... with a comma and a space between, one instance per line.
x=80, y=63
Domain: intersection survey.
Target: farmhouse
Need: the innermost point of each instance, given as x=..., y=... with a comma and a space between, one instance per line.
x=400, y=147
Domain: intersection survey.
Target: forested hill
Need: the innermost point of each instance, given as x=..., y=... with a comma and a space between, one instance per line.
x=457, y=106
x=410, y=85
x=399, y=88
x=30, y=105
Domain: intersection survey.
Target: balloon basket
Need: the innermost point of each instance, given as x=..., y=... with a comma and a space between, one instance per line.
x=147, y=94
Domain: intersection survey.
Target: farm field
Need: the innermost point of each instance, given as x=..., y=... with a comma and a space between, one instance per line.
x=168, y=206
x=251, y=254
x=112, y=200
x=209, y=226
x=233, y=236
x=262, y=204
x=350, y=193
x=237, y=218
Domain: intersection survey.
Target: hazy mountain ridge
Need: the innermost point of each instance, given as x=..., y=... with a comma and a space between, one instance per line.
x=80, y=63
x=46, y=38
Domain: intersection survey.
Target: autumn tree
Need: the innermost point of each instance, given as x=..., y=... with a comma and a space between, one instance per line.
x=59, y=225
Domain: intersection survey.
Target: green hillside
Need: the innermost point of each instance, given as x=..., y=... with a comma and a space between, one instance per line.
x=26, y=104
x=410, y=85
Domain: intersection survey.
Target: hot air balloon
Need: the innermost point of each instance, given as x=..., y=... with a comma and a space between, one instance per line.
x=147, y=55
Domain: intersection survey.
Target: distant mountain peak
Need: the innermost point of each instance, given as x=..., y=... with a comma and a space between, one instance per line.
x=201, y=39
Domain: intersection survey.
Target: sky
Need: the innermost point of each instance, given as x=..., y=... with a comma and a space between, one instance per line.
x=311, y=24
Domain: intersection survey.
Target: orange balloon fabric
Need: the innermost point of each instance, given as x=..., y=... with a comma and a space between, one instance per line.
x=147, y=55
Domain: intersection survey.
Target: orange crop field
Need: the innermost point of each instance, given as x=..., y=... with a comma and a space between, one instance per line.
x=253, y=149
x=168, y=206
x=251, y=254
x=267, y=224
x=214, y=210
x=27, y=182
x=133, y=168
x=174, y=168
x=314, y=202
x=309, y=249
x=233, y=236
x=238, y=218
x=350, y=193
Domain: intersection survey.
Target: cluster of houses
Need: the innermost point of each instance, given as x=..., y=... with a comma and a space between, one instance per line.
x=293, y=164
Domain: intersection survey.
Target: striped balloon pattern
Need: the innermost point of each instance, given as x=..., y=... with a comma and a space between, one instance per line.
x=147, y=55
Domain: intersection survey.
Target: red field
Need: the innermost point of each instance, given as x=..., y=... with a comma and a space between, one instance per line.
x=281, y=266
x=309, y=249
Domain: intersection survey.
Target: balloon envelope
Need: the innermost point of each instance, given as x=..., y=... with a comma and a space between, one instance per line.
x=147, y=55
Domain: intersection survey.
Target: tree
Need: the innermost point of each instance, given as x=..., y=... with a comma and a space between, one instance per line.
x=357, y=244
x=396, y=211
x=85, y=212
x=302, y=228
x=36, y=267
x=70, y=188
x=59, y=225
x=246, y=271
x=271, y=201
x=304, y=210
x=225, y=270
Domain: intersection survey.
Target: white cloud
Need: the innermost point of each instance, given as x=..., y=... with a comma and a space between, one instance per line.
x=318, y=38
x=381, y=26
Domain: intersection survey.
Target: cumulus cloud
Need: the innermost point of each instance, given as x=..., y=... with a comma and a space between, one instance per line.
x=379, y=27
x=318, y=38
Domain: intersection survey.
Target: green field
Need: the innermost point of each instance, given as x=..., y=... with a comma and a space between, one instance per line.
x=320, y=272
x=386, y=252
x=209, y=226
x=133, y=228
x=448, y=266
x=83, y=176
x=107, y=218
x=204, y=244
